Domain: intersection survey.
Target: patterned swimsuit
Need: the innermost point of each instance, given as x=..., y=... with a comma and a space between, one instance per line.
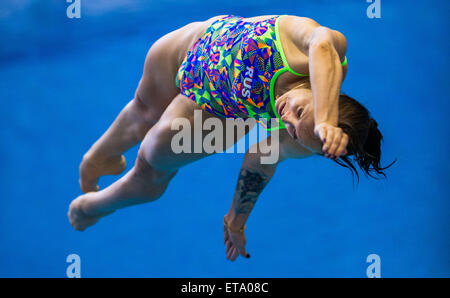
x=231, y=69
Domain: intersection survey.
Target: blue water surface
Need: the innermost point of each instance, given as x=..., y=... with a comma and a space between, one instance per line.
x=63, y=81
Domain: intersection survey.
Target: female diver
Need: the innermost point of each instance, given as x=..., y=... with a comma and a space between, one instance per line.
x=286, y=67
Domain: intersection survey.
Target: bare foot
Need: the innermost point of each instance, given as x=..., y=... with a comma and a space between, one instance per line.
x=91, y=169
x=78, y=215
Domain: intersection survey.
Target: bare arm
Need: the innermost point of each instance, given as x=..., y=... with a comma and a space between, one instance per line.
x=254, y=175
x=326, y=76
x=253, y=178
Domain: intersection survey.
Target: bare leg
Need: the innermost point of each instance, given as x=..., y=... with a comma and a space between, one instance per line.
x=146, y=181
x=155, y=166
x=140, y=185
x=155, y=92
x=105, y=156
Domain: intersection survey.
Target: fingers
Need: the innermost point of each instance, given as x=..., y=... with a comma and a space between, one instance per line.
x=229, y=250
x=321, y=133
x=235, y=245
x=228, y=243
x=225, y=234
x=225, y=237
x=328, y=143
x=240, y=246
x=242, y=252
x=339, y=145
x=335, y=143
x=342, y=149
x=233, y=254
x=228, y=246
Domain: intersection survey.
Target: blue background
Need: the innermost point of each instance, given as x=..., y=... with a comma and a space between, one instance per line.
x=63, y=81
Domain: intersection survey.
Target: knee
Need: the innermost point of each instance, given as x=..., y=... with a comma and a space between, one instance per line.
x=153, y=174
x=156, y=148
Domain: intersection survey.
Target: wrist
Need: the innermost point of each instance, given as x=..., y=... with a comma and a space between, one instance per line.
x=325, y=123
x=234, y=223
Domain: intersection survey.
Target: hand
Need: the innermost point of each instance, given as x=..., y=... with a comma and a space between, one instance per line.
x=234, y=242
x=334, y=140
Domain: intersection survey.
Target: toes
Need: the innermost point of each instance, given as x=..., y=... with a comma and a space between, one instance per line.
x=85, y=187
x=87, y=182
x=90, y=172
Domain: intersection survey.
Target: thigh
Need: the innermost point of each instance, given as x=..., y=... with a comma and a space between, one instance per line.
x=158, y=149
x=157, y=86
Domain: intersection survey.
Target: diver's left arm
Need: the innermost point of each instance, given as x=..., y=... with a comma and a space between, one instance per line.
x=326, y=49
x=253, y=178
x=255, y=174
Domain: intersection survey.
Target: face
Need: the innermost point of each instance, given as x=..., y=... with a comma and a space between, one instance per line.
x=296, y=110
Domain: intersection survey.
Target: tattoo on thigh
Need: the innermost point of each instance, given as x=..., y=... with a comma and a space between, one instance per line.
x=250, y=184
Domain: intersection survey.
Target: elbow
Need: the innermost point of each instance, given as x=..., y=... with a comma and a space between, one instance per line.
x=320, y=48
x=323, y=52
x=321, y=40
x=327, y=42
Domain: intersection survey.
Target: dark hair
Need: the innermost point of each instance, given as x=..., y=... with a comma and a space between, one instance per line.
x=364, y=145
